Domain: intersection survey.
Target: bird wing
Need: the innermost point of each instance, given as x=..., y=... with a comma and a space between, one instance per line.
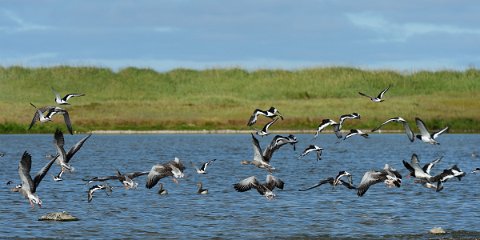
x=436, y=134
x=273, y=182
x=408, y=131
x=428, y=167
x=246, y=184
x=320, y=183
x=156, y=173
x=76, y=147
x=253, y=118
x=421, y=127
x=369, y=178
x=57, y=95
x=36, y=117
x=380, y=95
x=101, y=179
x=381, y=125
x=348, y=185
x=363, y=94
x=66, y=117
x=59, y=141
x=257, y=151
x=265, y=128
x=24, y=171
x=70, y=95
x=133, y=175
x=39, y=176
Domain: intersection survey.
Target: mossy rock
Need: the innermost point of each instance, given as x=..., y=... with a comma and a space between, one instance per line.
x=58, y=216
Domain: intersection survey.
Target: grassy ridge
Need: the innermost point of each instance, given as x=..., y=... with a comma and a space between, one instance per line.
x=143, y=99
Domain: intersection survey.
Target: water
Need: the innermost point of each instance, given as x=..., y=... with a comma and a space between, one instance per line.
x=409, y=211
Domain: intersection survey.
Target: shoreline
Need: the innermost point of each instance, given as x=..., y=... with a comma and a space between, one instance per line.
x=223, y=131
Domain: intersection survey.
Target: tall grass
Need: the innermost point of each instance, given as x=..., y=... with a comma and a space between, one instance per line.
x=143, y=99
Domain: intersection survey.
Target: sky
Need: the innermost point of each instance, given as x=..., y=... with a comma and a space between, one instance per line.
x=252, y=34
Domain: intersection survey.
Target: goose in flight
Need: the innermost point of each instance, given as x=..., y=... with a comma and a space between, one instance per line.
x=271, y=113
x=425, y=136
x=45, y=114
x=29, y=186
x=64, y=100
x=379, y=98
x=264, y=189
x=172, y=168
x=261, y=160
x=388, y=175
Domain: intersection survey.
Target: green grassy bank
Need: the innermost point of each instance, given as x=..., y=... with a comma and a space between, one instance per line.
x=182, y=99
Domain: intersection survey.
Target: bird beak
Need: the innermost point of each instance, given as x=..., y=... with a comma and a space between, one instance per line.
x=280, y=115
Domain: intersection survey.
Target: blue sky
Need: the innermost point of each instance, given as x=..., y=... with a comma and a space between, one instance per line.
x=252, y=34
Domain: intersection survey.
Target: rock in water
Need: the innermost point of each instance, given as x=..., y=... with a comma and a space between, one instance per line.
x=437, y=230
x=58, y=216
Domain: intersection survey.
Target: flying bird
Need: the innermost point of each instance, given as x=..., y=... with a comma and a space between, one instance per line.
x=63, y=101
x=408, y=130
x=94, y=188
x=313, y=148
x=324, y=124
x=45, y=114
x=264, y=189
x=262, y=159
x=425, y=136
x=126, y=179
x=264, y=131
x=345, y=117
x=172, y=168
x=388, y=175
x=379, y=98
x=334, y=181
x=271, y=113
x=354, y=132
x=29, y=186
x=203, y=168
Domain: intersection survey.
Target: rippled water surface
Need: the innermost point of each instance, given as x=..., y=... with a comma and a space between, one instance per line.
x=225, y=213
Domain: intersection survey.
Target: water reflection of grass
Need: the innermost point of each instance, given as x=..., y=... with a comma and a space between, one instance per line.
x=144, y=99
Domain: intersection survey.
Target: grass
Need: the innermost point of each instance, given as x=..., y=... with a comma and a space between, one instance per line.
x=184, y=99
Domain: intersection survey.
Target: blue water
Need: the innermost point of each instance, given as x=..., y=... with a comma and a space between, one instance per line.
x=225, y=213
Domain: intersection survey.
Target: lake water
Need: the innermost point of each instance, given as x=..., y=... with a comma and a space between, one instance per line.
x=406, y=212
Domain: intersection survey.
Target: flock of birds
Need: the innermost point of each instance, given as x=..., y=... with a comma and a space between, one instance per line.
x=261, y=158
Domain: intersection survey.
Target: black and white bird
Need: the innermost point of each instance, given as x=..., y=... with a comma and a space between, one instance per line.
x=203, y=168
x=324, y=124
x=64, y=100
x=271, y=113
x=264, y=131
x=172, y=168
x=2, y=154
x=94, y=188
x=279, y=141
x=345, y=117
x=388, y=175
x=29, y=186
x=476, y=170
x=200, y=189
x=379, y=98
x=64, y=158
x=408, y=130
x=354, y=132
x=264, y=189
x=45, y=114
x=125, y=178
x=313, y=148
x=334, y=181
x=425, y=136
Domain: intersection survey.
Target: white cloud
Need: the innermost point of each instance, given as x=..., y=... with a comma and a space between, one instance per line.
x=391, y=31
x=18, y=24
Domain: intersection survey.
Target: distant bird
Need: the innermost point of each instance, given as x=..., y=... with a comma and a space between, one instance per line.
x=408, y=130
x=200, y=189
x=379, y=98
x=388, y=175
x=264, y=131
x=94, y=188
x=313, y=148
x=345, y=117
x=324, y=124
x=354, y=132
x=45, y=114
x=161, y=190
x=9, y=182
x=63, y=101
x=172, y=168
x=476, y=170
x=2, y=154
x=64, y=158
x=264, y=189
x=203, y=168
x=271, y=113
x=335, y=181
x=425, y=136
x=126, y=179
x=29, y=186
